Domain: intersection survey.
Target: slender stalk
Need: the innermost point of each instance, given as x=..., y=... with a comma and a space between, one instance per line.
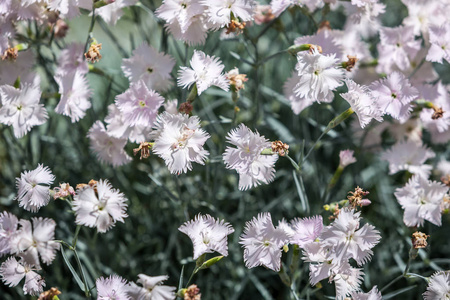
x=91, y=28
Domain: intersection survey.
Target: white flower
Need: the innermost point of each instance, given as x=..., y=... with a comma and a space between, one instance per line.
x=409, y=156
x=99, y=206
x=207, y=235
x=219, y=11
x=298, y=104
x=12, y=272
x=374, y=294
x=206, y=71
x=8, y=227
x=150, y=66
x=306, y=230
x=152, y=288
x=113, y=287
x=195, y=33
x=263, y=243
x=10, y=70
x=34, y=188
x=108, y=148
x=139, y=105
x=348, y=239
x=20, y=108
x=180, y=11
x=28, y=242
x=252, y=167
x=421, y=199
x=179, y=141
x=112, y=12
x=438, y=95
x=347, y=280
x=71, y=59
x=346, y=158
x=319, y=76
x=439, y=286
x=117, y=127
x=69, y=8
x=362, y=103
x=440, y=43
x=321, y=261
x=171, y=106
x=75, y=94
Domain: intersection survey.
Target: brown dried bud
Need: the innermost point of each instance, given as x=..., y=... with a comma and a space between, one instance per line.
x=446, y=180
x=144, y=148
x=235, y=26
x=280, y=148
x=186, y=107
x=237, y=80
x=10, y=54
x=93, y=54
x=63, y=191
x=438, y=113
x=192, y=293
x=356, y=198
x=336, y=212
x=350, y=63
x=48, y=295
x=61, y=29
x=419, y=240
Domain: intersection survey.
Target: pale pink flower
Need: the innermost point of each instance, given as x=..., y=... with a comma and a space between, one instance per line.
x=207, y=235
x=298, y=103
x=179, y=141
x=69, y=8
x=438, y=286
x=113, y=287
x=8, y=227
x=306, y=230
x=171, y=106
x=422, y=14
x=253, y=167
x=195, y=33
x=139, y=105
x=108, y=149
x=112, y=12
x=150, y=66
x=75, y=94
x=374, y=294
x=206, y=71
x=30, y=243
x=347, y=281
x=346, y=158
x=20, y=108
x=319, y=76
x=408, y=156
x=34, y=188
x=152, y=288
x=12, y=272
x=99, y=206
x=365, y=19
x=363, y=103
x=279, y=6
x=219, y=12
x=71, y=59
x=394, y=95
x=440, y=98
x=63, y=191
x=440, y=43
x=263, y=243
x=325, y=38
x=10, y=70
x=421, y=199
x=321, y=261
x=410, y=130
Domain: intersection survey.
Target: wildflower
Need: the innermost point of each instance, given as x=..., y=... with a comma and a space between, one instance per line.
x=348, y=239
x=61, y=28
x=12, y=272
x=152, y=288
x=440, y=43
x=113, y=287
x=63, y=191
x=179, y=141
x=34, y=188
x=321, y=261
x=119, y=128
x=150, y=66
x=347, y=281
x=408, y=156
x=421, y=199
x=438, y=286
x=75, y=94
x=93, y=54
x=32, y=242
x=236, y=80
x=144, y=148
x=207, y=235
x=139, y=105
x=298, y=103
x=306, y=230
x=206, y=71
x=346, y=158
x=69, y=8
x=112, y=12
x=99, y=206
x=20, y=108
x=71, y=60
x=356, y=198
x=438, y=116
x=50, y=294
x=108, y=148
x=219, y=12
x=171, y=106
x=263, y=243
x=263, y=14
x=374, y=294
x=319, y=75
x=252, y=167
x=8, y=227
x=419, y=240
x=394, y=95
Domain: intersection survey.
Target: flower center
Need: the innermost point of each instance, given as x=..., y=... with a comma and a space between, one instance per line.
x=19, y=107
x=150, y=70
x=394, y=95
x=142, y=103
x=186, y=134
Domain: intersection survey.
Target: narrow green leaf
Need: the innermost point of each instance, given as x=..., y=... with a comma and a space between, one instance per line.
x=72, y=270
x=398, y=292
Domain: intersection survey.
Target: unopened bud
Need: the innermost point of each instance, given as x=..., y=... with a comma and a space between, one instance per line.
x=61, y=28
x=210, y=262
x=186, y=108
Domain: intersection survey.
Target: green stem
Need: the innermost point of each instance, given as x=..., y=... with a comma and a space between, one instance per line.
x=335, y=177
x=75, y=238
x=284, y=276
x=91, y=28
x=295, y=261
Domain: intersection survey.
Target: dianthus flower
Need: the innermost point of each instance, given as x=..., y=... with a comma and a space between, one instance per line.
x=346, y=158
x=112, y=12
x=306, y=230
x=219, y=12
x=374, y=294
x=253, y=167
x=8, y=227
x=263, y=242
x=206, y=71
x=440, y=43
x=152, y=288
x=32, y=242
x=71, y=59
x=421, y=199
x=99, y=206
x=179, y=141
x=34, y=188
x=207, y=235
x=113, y=287
x=438, y=287
x=12, y=272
